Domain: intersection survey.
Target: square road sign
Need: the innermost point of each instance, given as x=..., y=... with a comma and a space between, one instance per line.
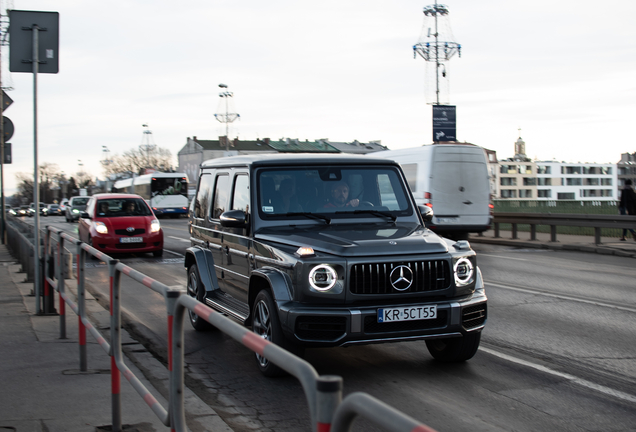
x=21, y=25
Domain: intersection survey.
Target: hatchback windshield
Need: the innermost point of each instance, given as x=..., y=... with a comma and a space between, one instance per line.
x=332, y=190
x=122, y=207
x=79, y=201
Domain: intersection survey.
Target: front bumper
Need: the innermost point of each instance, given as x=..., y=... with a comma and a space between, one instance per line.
x=112, y=244
x=342, y=326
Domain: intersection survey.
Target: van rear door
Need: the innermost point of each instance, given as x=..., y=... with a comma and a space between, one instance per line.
x=459, y=186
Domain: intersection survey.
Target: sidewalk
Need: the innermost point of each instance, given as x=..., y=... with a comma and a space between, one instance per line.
x=608, y=245
x=43, y=389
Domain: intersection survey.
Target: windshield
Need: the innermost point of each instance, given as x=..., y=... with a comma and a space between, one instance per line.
x=79, y=201
x=122, y=207
x=169, y=186
x=332, y=191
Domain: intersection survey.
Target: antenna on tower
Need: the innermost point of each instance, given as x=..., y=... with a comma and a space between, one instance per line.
x=438, y=47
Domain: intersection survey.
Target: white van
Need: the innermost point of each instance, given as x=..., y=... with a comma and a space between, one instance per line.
x=452, y=179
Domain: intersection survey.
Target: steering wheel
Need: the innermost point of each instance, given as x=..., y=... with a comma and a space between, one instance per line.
x=365, y=204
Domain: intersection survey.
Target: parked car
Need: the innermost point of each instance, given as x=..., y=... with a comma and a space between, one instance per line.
x=120, y=223
x=24, y=210
x=75, y=207
x=329, y=250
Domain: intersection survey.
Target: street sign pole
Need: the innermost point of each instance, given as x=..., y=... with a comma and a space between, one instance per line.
x=36, y=187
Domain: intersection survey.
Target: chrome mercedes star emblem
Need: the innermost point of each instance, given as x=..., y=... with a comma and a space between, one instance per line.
x=401, y=277
x=130, y=229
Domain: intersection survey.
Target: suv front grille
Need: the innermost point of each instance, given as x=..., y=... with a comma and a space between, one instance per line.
x=371, y=324
x=474, y=316
x=375, y=278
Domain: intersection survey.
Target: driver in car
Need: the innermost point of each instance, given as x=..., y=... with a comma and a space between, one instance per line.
x=340, y=197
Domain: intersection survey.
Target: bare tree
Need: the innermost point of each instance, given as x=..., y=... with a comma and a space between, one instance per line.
x=137, y=160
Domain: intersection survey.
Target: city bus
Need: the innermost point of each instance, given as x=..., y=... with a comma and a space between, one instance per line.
x=166, y=193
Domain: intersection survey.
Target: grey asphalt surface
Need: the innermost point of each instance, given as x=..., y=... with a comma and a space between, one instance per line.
x=42, y=388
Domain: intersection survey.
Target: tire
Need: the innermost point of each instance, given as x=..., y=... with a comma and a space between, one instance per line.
x=454, y=349
x=265, y=323
x=158, y=253
x=196, y=290
x=90, y=243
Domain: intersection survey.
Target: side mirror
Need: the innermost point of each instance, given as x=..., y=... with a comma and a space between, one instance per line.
x=426, y=212
x=234, y=219
x=84, y=215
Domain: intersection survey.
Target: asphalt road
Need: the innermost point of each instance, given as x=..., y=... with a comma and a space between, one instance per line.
x=557, y=352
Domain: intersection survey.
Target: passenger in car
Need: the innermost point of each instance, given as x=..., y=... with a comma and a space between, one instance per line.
x=130, y=208
x=288, y=199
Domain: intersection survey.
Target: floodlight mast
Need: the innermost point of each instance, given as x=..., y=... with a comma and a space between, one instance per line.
x=227, y=117
x=437, y=51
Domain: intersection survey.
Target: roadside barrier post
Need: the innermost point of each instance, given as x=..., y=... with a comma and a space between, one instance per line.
x=171, y=302
x=60, y=283
x=115, y=344
x=81, y=300
x=48, y=300
x=329, y=396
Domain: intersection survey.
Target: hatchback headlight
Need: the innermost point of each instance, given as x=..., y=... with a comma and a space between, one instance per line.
x=323, y=277
x=75, y=211
x=101, y=228
x=464, y=272
x=155, y=226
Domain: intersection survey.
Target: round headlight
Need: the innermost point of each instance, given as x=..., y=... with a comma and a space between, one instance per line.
x=464, y=272
x=322, y=277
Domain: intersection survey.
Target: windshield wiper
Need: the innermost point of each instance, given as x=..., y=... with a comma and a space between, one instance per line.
x=310, y=216
x=375, y=213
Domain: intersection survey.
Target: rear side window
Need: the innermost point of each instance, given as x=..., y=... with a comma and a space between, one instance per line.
x=241, y=196
x=204, y=194
x=221, y=193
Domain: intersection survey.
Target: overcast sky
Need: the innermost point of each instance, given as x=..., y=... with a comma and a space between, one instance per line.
x=563, y=71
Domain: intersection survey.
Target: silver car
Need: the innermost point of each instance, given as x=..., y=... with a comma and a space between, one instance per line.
x=75, y=207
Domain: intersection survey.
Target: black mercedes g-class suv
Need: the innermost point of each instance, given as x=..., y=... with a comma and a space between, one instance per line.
x=329, y=250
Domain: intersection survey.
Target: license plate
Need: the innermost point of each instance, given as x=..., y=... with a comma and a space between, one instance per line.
x=447, y=220
x=408, y=313
x=131, y=240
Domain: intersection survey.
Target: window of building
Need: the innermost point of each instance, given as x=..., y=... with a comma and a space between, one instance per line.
x=591, y=170
x=508, y=169
x=508, y=193
x=525, y=193
x=573, y=182
x=525, y=169
x=570, y=170
x=542, y=169
x=508, y=181
x=544, y=193
x=605, y=170
x=606, y=182
x=529, y=181
x=565, y=195
x=591, y=182
x=542, y=181
x=607, y=193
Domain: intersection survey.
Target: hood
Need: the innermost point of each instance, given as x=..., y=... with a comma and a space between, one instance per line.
x=358, y=240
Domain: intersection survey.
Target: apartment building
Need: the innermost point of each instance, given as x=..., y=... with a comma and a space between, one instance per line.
x=521, y=178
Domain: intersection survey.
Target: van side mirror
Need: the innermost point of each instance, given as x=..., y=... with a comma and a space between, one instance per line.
x=426, y=212
x=234, y=219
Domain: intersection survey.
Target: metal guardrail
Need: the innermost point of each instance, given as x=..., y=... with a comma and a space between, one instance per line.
x=323, y=393
x=564, y=219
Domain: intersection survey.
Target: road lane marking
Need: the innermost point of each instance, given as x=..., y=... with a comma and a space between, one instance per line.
x=504, y=257
x=179, y=238
x=561, y=297
x=576, y=380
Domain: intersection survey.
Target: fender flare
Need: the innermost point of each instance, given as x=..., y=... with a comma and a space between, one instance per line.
x=205, y=263
x=279, y=283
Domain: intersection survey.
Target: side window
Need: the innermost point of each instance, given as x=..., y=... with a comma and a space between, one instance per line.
x=204, y=194
x=241, y=195
x=221, y=193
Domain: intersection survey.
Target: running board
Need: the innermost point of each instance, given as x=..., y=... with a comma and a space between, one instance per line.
x=227, y=305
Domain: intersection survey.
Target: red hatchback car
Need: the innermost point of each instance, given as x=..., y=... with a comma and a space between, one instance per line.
x=120, y=223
